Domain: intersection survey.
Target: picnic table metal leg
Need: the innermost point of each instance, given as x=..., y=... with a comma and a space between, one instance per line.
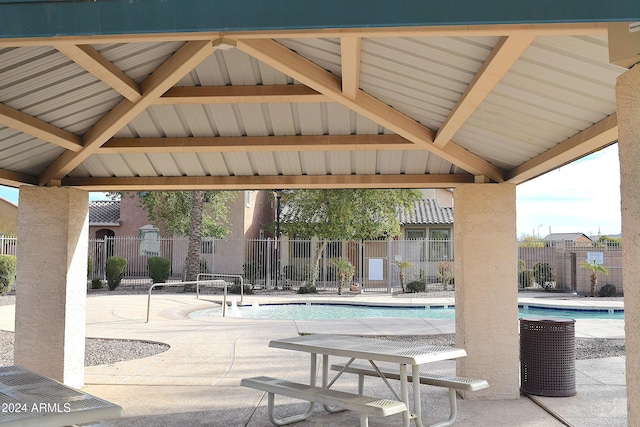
x=325, y=384
x=404, y=394
x=294, y=418
x=417, y=404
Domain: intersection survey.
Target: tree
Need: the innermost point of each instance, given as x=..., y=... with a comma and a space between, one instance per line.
x=595, y=268
x=402, y=265
x=532, y=242
x=195, y=214
x=346, y=271
x=344, y=215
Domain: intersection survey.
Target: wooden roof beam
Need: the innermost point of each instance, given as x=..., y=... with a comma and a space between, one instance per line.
x=167, y=75
x=178, y=183
x=184, y=95
x=228, y=144
x=350, y=48
x=40, y=129
x=556, y=29
x=92, y=61
x=306, y=72
x=502, y=57
x=598, y=136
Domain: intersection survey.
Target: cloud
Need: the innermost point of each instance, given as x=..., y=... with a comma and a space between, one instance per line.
x=583, y=196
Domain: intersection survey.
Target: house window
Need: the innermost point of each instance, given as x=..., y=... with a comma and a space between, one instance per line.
x=440, y=244
x=416, y=234
x=416, y=250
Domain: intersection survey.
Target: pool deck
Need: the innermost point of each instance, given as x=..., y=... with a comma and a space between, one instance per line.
x=196, y=382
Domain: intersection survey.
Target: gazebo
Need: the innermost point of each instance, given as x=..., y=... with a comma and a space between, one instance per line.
x=124, y=95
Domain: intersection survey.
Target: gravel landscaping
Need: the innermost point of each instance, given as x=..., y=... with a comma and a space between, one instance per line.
x=108, y=351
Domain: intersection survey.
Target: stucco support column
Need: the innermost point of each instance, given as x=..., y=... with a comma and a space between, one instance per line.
x=487, y=287
x=628, y=105
x=51, y=285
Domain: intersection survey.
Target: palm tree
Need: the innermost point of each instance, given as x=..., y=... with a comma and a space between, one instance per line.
x=595, y=268
x=345, y=272
x=402, y=265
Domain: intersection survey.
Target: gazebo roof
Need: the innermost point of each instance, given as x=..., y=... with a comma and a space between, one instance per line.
x=96, y=96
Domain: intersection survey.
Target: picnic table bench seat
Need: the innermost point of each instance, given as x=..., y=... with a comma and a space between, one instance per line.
x=364, y=405
x=453, y=383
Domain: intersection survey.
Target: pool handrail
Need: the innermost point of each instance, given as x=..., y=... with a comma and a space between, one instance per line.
x=224, y=299
x=197, y=282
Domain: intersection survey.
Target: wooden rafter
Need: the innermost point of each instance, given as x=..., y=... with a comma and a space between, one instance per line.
x=183, y=61
x=598, y=136
x=15, y=179
x=350, y=52
x=37, y=128
x=303, y=70
x=229, y=144
x=183, y=95
x=268, y=182
x=501, y=59
x=92, y=61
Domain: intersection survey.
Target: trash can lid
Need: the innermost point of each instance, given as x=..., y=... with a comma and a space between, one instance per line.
x=547, y=319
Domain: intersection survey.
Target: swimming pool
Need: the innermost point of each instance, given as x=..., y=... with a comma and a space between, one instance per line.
x=308, y=311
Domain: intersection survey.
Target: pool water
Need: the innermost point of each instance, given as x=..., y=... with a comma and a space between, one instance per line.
x=335, y=311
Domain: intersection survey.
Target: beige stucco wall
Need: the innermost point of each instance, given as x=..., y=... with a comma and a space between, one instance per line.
x=628, y=103
x=51, y=286
x=486, y=287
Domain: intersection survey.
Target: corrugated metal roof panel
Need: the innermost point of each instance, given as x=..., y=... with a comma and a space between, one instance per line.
x=288, y=163
x=44, y=83
x=551, y=93
x=324, y=52
x=422, y=77
x=214, y=164
x=138, y=60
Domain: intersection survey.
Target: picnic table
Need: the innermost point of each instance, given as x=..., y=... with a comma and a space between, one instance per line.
x=28, y=399
x=402, y=353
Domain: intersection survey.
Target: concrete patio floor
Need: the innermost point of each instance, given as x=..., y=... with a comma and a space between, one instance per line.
x=196, y=382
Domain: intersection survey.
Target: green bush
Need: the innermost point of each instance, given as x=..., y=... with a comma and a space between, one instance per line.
x=525, y=278
x=96, y=284
x=542, y=273
x=7, y=273
x=204, y=266
x=159, y=269
x=307, y=289
x=290, y=272
x=607, y=290
x=115, y=268
x=235, y=289
x=416, y=286
x=89, y=267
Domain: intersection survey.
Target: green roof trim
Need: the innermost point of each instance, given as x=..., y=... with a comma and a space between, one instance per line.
x=38, y=18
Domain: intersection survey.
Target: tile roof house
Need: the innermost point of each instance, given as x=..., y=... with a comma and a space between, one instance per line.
x=104, y=213
x=427, y=212
x=577, y=239
x=248, y=215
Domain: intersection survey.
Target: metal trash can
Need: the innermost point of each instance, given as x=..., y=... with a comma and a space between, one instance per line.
x=548, y=357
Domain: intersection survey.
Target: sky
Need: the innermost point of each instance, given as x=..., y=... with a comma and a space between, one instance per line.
x=581, y=197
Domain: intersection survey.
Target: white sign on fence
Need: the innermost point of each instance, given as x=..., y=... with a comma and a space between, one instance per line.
x=595, y=258
x=376, y=269
x=149, y=241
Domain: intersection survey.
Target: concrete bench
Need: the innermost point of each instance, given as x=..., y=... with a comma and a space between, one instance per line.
x=453, y=383
x=364, y=405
